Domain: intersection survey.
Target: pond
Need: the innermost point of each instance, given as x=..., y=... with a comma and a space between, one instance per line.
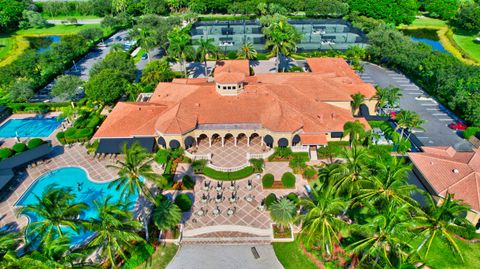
x=427, y=36
x=43, y=43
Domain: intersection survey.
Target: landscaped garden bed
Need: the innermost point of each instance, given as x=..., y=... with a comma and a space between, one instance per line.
x=282, y=234
x=219, y=175
x=287, y=182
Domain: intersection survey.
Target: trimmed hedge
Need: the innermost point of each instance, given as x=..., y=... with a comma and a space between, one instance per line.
x=470, y=131
x=293, y=197
x=35, y=142
x=270, y=199
x=36, y=107
x=267, y=180
x=288, y=180
x=139, y=254
x=5, y=153
x=243, y=173
x=188, y=182
x=184, y=202
x=19, y=147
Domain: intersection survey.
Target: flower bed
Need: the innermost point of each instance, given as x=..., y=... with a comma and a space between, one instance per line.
x=242, y=173
x=282, y=236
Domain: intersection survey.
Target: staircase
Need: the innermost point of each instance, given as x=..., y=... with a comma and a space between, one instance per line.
x=313, y=153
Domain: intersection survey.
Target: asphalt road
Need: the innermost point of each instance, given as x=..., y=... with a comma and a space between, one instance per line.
x=438, y=117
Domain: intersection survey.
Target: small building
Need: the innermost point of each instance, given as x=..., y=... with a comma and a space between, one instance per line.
x=444, y=170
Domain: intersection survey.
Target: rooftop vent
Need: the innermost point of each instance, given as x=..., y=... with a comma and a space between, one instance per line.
x=455, y=171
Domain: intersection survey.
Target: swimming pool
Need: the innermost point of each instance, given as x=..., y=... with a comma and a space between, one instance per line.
x=76, y=180
x=29, y=127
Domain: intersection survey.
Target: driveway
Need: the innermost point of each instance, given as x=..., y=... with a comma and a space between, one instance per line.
x=438, y=117
x=201, y=256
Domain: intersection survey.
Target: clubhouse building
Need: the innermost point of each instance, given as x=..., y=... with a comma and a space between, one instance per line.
x=234, y=107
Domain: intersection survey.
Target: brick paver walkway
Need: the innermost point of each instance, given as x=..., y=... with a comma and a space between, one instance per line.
x=229, y=155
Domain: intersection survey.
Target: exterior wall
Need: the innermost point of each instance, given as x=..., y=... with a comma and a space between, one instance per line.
x=235, y=88
x=341, y=104
x=372, y=105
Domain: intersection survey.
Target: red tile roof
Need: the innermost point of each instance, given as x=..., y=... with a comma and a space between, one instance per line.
x=448, y=170
x=313, y=139
x=229, y=77
x=236, y=66
x=280, y=102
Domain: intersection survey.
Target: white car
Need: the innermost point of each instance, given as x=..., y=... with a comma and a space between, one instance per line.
x=424, y=98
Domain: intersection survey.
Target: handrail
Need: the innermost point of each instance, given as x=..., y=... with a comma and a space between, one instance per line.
x=227, y=169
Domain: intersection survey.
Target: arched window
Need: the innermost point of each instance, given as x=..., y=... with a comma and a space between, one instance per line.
x=174, y=144
x=283, y=142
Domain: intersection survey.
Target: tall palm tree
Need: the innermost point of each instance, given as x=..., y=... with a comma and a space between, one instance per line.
x=351, y=175
x=205, y=48
x=408, y=120
x=157, y=71
x=134, y=170
x=146, y=39
x=354, y=130
x=388, y=185
x=437, y=221
x=56, y=209
x=116, y=230
x=321, y=225
x=247, y=50
x=357, y=100
x=9, y=242
x=388, y=95
x=166, y=214
x=283, y=212
x=179, y=47
x=385, y=238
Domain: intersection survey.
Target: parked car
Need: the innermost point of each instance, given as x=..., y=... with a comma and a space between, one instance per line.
x=424, y=98
x=393, y=114
x=144, y=56
x=459, y=126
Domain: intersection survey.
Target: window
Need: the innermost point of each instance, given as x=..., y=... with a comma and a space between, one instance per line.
x=229, y=87
x=224, y=87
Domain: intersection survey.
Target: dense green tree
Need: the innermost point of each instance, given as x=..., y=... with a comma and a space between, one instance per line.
x=56, y=209
x=9, y=242
x=392, y=11
x=158, y=7
x=180, y=47
x=354, y=130
x=444, y=9
x=31, y=18
x=206, y=48
x=156, y=71
x=66, y=86
x=21, y=90
x=120, y=61
x=116, y=230
x=353, y=174
x=326, y=8
x=166, y=214
x=468, y=17
x=283, y=212
x=388, y=96
x=106, y=86
x=91, y=34
x=10, y=14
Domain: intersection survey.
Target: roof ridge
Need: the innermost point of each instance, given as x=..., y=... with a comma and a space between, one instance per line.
x=425, y=154
x=459, y=181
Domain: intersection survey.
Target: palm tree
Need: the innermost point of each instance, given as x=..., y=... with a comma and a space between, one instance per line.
x=9, y=242
x=134, y=170
x=387, y=95
x=408, y=120
x=179, y=46
x=146, y=39
x=157, y=71
x=357, y=100
x=437, y=221
x=351, y=175
x=247, y=50
x=57, y=253
x=283, y=212
x=56, y=209
x=388, y=185
x=354, y=130
x=205, y=48
x=166, y=214
x=115, y=228
x=320, y=224
x=385, y=238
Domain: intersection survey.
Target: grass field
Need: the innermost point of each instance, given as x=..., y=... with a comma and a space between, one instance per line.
x=291, y=256
x=78, y=17
x=14, y=44
x=428, y=22
x=468, y=45
x=161, y=258
x=440, y=256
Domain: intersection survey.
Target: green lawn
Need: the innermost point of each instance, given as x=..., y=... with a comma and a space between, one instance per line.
x=428, y=22
x=57, y=29
x=291, y=256
x=161, y=258
x=6, y=45
x=440, y=256
x=468, y=45
x=78, y=17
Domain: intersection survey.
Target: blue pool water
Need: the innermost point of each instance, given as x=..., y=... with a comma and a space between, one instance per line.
x=436, y=45
x=29, y=127
x=85, y=190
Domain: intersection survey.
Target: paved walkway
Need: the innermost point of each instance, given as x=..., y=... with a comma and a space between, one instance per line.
x=230, y=155
x=225, y=257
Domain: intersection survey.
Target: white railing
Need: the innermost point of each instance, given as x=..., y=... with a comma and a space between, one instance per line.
x=194, y=157
x=227, y=169
x=300, y=149
x=263, y=155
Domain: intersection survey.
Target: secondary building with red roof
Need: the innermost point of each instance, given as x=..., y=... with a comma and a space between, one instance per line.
x=300, y=109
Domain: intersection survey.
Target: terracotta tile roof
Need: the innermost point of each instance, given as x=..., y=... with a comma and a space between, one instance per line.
x=280, y=102
x=448, y=170
x=236, y=66
x=313, y=139
x=229, y=77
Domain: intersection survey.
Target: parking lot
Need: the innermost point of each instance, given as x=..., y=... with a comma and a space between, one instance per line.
x=437, y=132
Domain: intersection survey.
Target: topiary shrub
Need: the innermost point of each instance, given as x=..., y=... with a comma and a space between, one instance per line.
x=5, y=153
x=293, y=197
x=270, y=199
x=184, y=202
x=35, y=142
x=288, y=180
x=267, y=180
x=309, y=172
x=232, y=55
x=19, y=147
x=188, y=182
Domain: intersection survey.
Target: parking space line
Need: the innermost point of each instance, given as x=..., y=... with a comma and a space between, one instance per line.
x=428, y=104
x=445, y=119
x=435, y=109
x=440, y=114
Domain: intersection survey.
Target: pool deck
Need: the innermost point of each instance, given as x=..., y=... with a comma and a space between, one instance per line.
x=61, y=157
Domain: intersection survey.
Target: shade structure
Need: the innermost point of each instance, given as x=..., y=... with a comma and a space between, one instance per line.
x=115, y=145
x=189, y=141
x=174, y=144
x=283, y=142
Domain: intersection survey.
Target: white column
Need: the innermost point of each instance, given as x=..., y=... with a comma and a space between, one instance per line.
x=261, y=141
x=248, y=141
x=235, y=138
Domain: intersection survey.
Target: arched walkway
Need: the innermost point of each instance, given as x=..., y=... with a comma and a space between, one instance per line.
x=189, y=142
x=242, y=140
x=255, y=140
x=216, y=139
x=229, y=140
x=203, y=140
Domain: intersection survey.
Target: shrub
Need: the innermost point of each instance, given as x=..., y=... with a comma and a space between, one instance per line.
x=257, y=164
x=35, y=142
x=198, y=166
x=232, y=55
x=267, y=180
x=262, y=56
x=288, y=180
x=161, y=156
x=176, y=153
x=309, y=172
x=470, y=131
x=184, y=202
x=188, y=182
x=332, y=149
x=5, y=153
x=243, y=173
x=93, y=121
x=270, y=199
x=19, y=147
x=139, y=255
x=293, y=197
x=61, y=137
